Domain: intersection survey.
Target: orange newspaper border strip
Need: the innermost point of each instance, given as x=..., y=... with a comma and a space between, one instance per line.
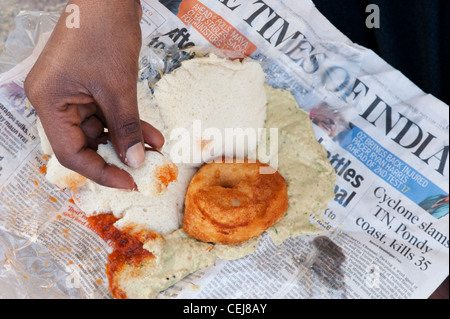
x=214, y=28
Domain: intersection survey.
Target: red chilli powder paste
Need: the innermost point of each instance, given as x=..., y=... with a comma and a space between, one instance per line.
x=128, y=249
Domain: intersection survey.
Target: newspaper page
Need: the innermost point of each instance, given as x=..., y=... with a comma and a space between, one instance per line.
x=385, y=235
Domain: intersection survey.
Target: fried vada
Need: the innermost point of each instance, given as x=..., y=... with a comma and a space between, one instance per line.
x=230, y=202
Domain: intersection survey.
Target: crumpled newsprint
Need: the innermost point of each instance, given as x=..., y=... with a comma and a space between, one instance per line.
x=385, y=235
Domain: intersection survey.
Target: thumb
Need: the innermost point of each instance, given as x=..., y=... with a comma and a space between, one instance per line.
x=124, y=126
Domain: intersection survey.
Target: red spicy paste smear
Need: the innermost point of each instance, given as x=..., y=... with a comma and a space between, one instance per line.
x=128, y=249
x=166, y=174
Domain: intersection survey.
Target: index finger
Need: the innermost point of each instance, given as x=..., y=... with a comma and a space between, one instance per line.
x=71, y=149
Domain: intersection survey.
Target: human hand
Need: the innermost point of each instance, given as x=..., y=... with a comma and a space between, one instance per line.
x=84, y=81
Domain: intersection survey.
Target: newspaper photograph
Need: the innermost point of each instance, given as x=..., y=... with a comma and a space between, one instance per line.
x=385, y=235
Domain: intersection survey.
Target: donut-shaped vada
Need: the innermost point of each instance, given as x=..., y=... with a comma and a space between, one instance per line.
x=231, y=202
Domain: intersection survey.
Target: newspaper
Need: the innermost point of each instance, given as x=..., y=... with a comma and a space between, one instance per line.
x=385, y=235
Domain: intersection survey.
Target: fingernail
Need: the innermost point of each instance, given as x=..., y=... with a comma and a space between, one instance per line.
x=135, y=155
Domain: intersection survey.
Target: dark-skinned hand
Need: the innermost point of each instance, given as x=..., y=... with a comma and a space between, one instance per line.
x=84, y=89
